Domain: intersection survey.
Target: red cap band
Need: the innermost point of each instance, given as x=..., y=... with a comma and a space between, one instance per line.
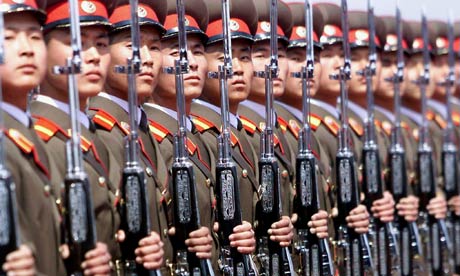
x=236, y=25
x=171, y=22
x=361, y=36
x=300, y=33
x=90, y=11
x=417, y=44
x=123, y=13
x=263, y=27
x=392, y=42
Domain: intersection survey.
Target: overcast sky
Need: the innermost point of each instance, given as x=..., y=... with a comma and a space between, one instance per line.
x=410, y=9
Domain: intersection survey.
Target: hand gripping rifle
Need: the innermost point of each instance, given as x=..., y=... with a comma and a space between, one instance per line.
x=384, y=246
x=134, y=206
x=233, y=263
x=354, y=253
x=407, y=232
x=79, y=222
x=185, y=197
x=276, y=260
x=315, y=256
x=450, y=153
x=9, y=228
x=433, y=231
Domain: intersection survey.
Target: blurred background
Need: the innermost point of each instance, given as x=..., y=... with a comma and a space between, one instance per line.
x=410, y=9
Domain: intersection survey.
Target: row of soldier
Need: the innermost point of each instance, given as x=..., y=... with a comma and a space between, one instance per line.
x=36, y=130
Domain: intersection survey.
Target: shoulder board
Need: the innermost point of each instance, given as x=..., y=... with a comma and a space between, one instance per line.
x=440, y=121
x=294, y=128
x=158, y=131
x=357, y=128
x=24, y=144
x=315, y=121
x=430, y=115
x=85, y=143
x=387, y=126
x=45, y=128
x=378, y=123
x=283, y=123
x=104, y=119
x=405, y=126
x=248, y=125
x=415, y=134
x=332, y=125
x=233, y=139
x=203, y=124
x=191, y=147
x=456, y=118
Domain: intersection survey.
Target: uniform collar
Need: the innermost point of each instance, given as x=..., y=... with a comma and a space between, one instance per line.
x=361, y=112
x=16, y=113
x=332, y=110
x=171, y=113
x=122, y=103
x=438, y=107
x=232, y=118
x=390, y=116
x=297, y=113
x=258, y=108
x=413, y=115
x=82, y=117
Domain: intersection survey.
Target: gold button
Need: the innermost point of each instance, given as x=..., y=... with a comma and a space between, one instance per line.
x=285, y=174
x=208, y=182
x=101, y=181
x=244, y=173
x=149, y=171
x=47, y=189
x=165, y=233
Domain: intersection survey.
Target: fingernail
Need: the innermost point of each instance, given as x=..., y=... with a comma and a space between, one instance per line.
x=83, y=265
x=269, y=231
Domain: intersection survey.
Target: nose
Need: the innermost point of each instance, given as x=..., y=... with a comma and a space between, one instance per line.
x=192, y=61
x=25, y=48
x=237, y=68
x=91, y=55
x=146, y=56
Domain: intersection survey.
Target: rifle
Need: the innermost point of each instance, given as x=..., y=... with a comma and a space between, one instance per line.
x=407, y=232
x=315, y=256
x=79, y=221
x=384, y=246
x=433, y=231
x=227, y=186
x=276, y=260
x=185, y=198
x=9, y=228
x=134, y=204
x=449, y=152
x=354, y=254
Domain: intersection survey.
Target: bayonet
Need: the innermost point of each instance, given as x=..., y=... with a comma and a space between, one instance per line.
x=134, y=206
x=354, y=252
x=314, y=253
x=79, y=212
x=185, y=197
x=9, y=228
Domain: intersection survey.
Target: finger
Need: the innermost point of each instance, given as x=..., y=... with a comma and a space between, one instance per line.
x=98, y=270
x=241, y=236
x=24, y=272
x=246, y=250
x=96, y=261
x=153, y=265
x=243, y=243
x=22, y=252
x=198, y=241
x=203, y=255
x=154, y=257
x=20, y=264
x=242, y=227
x=203, y=231
x=146, y=250
x=200, y=248
x=317, y=223
x=280, y=231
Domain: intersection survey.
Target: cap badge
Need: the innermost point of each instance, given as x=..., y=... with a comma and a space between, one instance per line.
x=265, y=26
x=362, y=35
x=234, y=26
x=329, y=30
x=301, y=31
x=440, y=42
x=88, y=7
x=392, y=39
x=19, y=1
x=416, y=44
x=4, y=7
x=141, y=12
x=187, y=22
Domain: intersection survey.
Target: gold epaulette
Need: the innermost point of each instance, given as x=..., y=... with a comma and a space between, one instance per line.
x=104, y=119
x=158, y=131
x=203, y=124
x=248, y=125
x=283, y=123
x=456, y=118
x=440, y=121
x=332, y=125
x=356, y=126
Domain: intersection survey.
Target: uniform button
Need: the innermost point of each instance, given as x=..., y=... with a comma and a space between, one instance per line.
x=285, y=174
x=208, y=182
x=165, y=233
x=149, y=171
x=47, y=189
x=101, y=181
x=244, y=173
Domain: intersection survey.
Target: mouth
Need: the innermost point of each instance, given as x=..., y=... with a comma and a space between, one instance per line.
x=93, y=75
x=144, y=75
x=192, y=78
x=28, y=67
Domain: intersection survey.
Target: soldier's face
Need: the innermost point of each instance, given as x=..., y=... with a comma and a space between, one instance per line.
x=95, y=60
x=331, y=58
x=457, y=77
x=414, y=67
x=440, y=70
x=297, y=60
x=25, y=55
x=359, y=61
x=239, y=86
x=385, y=89
x=150, y=50
x=260, y=58
x=194, y=80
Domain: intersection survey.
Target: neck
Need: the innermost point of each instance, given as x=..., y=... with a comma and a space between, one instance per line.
x=49, y=90
x=438, y=97
x=19, y=102
x=360, y=100
x=324, y=96
x=162, y=101
x=386, y=103
x=116, y=92
x=259, y=100
x=412, y=104
x=292, y=101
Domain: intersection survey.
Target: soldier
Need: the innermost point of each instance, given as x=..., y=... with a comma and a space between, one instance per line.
x=252, y=111
x=384, y=111
x=50, y=111
x=109, y=112
x=162, y=115
x=26, y=159
x=289, y=104
x=412, y=107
